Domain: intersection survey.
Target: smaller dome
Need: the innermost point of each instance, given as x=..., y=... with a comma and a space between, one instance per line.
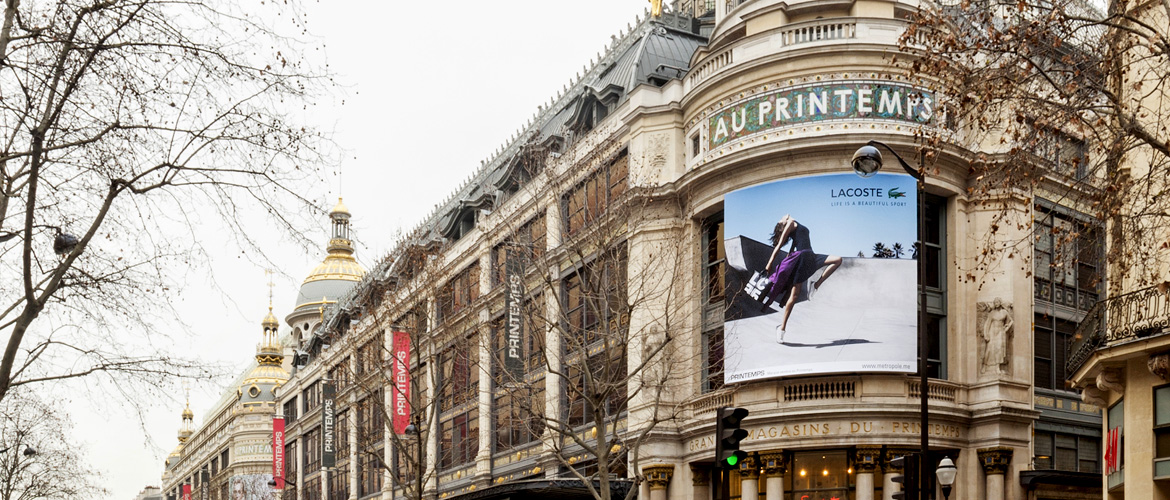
x=339, y=209
x=188, y=414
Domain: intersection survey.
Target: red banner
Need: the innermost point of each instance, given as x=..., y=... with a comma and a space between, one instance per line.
x=278, y=451
x=400, y=389
x=186, y=492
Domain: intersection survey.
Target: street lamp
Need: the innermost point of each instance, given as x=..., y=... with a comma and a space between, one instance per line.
x=946, y=476
x=866, y=162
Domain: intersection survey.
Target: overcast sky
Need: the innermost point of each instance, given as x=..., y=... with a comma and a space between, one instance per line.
x=431, y=89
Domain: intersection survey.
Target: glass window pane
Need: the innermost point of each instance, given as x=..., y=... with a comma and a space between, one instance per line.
x=1116, y=415
x=1162, y=405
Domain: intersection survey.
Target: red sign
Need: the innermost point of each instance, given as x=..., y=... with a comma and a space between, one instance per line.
x=186, y=492
x=278, y=451
x=400, y=388
x=1113, y=450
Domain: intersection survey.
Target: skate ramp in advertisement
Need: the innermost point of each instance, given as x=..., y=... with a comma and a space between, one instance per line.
x=862, y=319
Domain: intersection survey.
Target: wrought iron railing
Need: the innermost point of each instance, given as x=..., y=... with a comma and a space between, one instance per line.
x=1129, y=316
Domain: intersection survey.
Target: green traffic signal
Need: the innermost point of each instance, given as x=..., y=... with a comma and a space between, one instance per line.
x=732, y=460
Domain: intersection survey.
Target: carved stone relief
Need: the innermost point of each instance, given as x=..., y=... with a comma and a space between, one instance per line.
x=995, y=322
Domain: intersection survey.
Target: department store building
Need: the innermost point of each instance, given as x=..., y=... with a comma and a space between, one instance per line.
x=681, y=112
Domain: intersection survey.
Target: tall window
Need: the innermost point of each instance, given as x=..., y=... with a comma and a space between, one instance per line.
x=371, y=355
x=312, y=442
x=1115, y=442
x=290, y=471
x=1066, y=262
x=519, y=404
x=584, y=203
x=312, y=488
x=459, y=390
x=597, y=315
x=340, y=374
x=603, y=392
x=312, y=396
x=820, y=474
x=370, y=481
x=595, y=300
x=1063, y=451
x=527, y=245
x=371, y=425
x=461, y=291
x=290, y=411
x=1162, y=432
x=714, y=274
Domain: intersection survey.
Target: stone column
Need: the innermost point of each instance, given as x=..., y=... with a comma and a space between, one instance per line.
x=995, y=462
x=866, y=464
x=658, y=477
x=774, y=468
x=889, y=487
x=701, y=481
x=749, y=478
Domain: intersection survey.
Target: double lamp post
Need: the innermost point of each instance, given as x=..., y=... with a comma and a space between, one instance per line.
x=866, y=162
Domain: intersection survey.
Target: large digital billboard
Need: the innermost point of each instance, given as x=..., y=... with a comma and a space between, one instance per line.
x=848, y=240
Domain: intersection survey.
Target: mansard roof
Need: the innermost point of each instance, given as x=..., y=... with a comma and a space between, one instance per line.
x=652, y=51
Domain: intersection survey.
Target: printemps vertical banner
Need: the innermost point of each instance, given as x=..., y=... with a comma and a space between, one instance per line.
x=400, y=389
x=821, y=277
x=204, y=485
x=514, y=354
x=186, y=492
x=328, y=423
x=278, y=451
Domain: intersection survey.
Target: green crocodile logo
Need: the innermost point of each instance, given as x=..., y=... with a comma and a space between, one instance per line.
x=894, y=193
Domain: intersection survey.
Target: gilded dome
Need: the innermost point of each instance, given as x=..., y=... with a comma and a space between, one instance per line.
x=335, y=275
x=270, y=320
x=262, y=382
x=339, y=208
x=337, y=266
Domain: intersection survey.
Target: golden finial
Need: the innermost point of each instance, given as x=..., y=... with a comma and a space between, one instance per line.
x=268, y=273
x=656, y=8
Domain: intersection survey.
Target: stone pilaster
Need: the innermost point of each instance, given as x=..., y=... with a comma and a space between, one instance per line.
x=701, y=482
x=995, y=461
x=889, y=487
x=658, y=477
x=749, y=474
x=865, y=463
x=775, y=466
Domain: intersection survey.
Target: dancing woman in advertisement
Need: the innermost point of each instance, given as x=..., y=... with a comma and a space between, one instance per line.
x=795, y=269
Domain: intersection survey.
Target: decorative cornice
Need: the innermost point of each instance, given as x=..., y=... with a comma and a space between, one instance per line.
x=995, y=460
x=658, y=475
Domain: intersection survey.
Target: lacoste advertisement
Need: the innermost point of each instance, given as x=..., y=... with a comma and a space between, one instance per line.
x=821, y=277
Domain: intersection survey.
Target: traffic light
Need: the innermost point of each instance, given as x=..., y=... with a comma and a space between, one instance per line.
x=728, y=435
x=909, y=476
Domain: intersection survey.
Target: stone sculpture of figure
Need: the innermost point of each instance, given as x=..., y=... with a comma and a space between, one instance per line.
x=996, y=327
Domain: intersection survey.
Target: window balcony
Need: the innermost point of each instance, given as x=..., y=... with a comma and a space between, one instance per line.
x=1117, y=320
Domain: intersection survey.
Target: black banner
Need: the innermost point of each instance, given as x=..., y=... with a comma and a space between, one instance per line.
x=514, y=324
x=328, y=433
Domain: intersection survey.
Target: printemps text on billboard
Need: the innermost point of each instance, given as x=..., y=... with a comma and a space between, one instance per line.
x=821, y=277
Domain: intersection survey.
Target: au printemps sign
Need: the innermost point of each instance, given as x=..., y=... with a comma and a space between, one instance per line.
x=830, y=101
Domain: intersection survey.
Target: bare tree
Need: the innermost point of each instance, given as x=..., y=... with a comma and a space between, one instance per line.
x=120, y=121
x=595, y=320
x=1062, y=101
x=37, y=458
